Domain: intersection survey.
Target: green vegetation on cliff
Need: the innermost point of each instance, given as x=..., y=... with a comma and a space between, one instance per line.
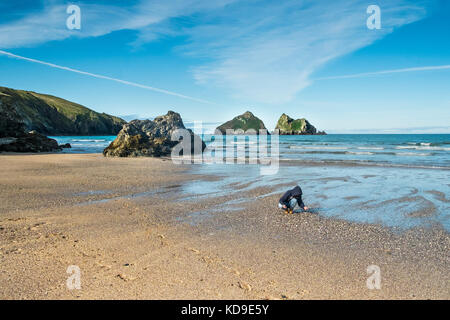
x=51, y=115
x=243, y=122
x=286, y=126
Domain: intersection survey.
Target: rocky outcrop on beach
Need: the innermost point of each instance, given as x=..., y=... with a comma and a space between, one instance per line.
x=51, y=115
x=242, y=123
x=151, y=138
x=29, y=142
x=288, y=126
x=14, y=136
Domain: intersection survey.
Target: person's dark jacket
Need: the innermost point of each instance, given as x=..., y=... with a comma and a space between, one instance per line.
x=293, y=193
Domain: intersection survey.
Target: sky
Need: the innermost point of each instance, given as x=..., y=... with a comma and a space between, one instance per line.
x=211, y=60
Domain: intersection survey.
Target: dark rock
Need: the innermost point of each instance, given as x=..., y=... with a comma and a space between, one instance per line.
x=15, y=138
x=29, y=142
x=242, y=123
x=65, y=146
x=11, y=124
x=150, y=138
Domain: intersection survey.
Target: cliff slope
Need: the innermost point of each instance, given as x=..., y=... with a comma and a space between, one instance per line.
x=51, y=115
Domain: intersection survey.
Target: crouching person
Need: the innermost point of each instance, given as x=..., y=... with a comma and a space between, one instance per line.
x=290, y=199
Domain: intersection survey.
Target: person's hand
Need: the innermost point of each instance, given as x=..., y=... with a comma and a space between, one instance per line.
x=305, y=208
x=284, y=206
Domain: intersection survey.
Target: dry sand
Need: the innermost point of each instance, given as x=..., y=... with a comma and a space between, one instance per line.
x=143, y=243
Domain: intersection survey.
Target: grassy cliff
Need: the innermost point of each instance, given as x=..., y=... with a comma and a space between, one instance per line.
x=287, y=126
x=51, y=115
x=244, y=122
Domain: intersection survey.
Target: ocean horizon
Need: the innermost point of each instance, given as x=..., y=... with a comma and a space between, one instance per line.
x=422, y=150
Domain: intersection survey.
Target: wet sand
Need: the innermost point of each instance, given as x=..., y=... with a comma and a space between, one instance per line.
x=135, y=235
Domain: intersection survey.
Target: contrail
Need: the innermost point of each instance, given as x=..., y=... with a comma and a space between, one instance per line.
x=359, y=75
x=11, y=55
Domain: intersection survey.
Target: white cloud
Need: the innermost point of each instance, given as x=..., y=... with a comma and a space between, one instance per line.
x=368, y=74
x=99, y=76
x=97, y=19
x=259, y=50
x=268, y=53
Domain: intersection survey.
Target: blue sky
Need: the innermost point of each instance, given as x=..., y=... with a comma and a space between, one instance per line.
x=215, y=59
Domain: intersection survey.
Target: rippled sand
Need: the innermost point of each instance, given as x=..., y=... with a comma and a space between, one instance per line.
x=135, y=231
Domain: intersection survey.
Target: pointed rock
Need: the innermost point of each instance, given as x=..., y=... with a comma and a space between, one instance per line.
x=242, y=123
x=151, y=138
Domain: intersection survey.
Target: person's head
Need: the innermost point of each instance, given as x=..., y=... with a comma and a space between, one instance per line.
x=297, y=193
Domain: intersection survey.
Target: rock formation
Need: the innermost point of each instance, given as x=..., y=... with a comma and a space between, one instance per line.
x=288, y=126
x=243, y=122
x=151, y=138
x=14, y=136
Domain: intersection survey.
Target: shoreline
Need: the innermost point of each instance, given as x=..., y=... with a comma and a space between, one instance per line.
x=281, y=161
x=159, y=246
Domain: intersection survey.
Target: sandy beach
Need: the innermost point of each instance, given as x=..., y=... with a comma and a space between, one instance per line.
x=134, y=234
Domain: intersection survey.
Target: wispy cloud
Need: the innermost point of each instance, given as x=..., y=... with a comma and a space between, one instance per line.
x=133, y=84
x=368, y=74
x=259, y=50
x=98, y=19
x=267, y=53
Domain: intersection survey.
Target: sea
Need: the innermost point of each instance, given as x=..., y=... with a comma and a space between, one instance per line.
x=405, y=150
x=400, y=181
x=84, y=144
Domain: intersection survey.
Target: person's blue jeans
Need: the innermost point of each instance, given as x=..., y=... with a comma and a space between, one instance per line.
x=292, y=204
